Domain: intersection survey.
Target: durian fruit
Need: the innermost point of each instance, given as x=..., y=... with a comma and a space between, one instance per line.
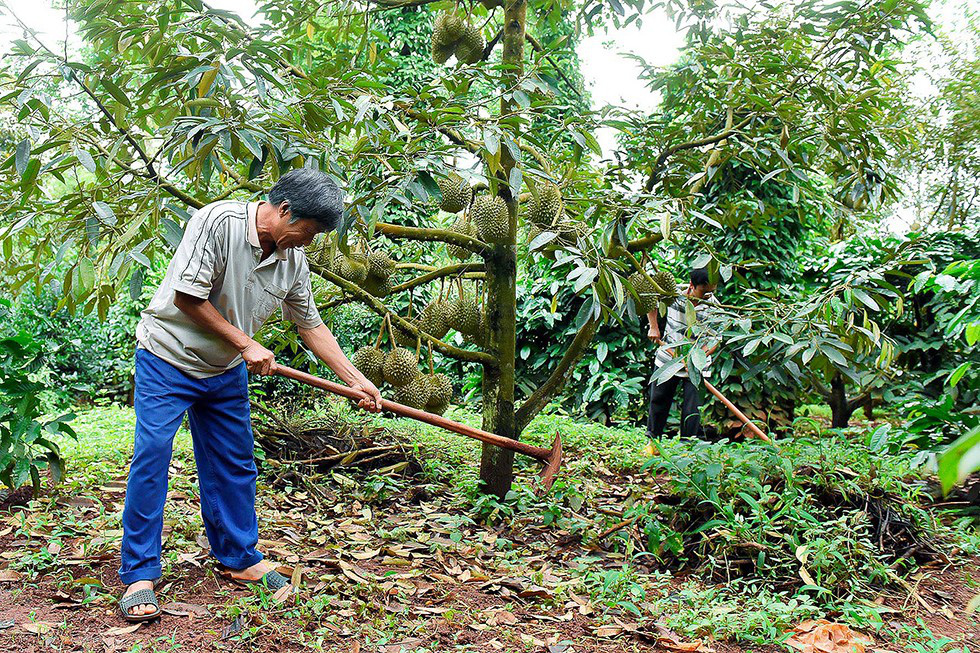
x=441, y=53
x=461, y=226
x=489, y=214
x=471, y=45
x=666, y=283
x=401, y=367
x=440, y=393
x=349, y=268
x=646, y=291
x=456, y=193
x=380, y=265
x=377, y=286
x=415, y=394
x=480, y=334
x=545, y=209
x=463, y=314
x=432, y=319
x=446, y=34
x=370, y=362
x=405, y=338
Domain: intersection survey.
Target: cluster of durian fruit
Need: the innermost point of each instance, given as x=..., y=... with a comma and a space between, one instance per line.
x=399, y=368
x=452, y=34
x=486, y=218
x=463, y=312
x=652, y=289
x=545, y=211
x=372, y=271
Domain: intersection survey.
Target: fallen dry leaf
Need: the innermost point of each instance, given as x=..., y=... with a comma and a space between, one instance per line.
x=608, y=630
x=178, y=609
x=39, y=627
x=123, y=630
x=822, y=636
x=10, y=576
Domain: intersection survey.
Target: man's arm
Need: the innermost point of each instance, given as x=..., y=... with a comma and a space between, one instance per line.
x=654, y=331
x=322, y=343
x=202, y=312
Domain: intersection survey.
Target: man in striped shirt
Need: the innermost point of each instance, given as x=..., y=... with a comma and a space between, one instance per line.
x=699, y=295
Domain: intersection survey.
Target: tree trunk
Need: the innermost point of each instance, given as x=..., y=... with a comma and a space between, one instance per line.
x=497, y=465
x=840, y=409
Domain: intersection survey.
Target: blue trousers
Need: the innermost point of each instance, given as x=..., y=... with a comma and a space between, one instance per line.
x=221, y=428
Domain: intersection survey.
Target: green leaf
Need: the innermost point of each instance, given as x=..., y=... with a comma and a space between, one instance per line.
x=105, y=212
x=86, y=160
x=957, y=374
x=865, y=299
x=115, y=92
x=491, y=141
x=699, y=359
x=22, y=156
x=960, y=460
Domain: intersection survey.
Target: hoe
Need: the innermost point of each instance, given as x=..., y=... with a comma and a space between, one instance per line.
x=550, y=457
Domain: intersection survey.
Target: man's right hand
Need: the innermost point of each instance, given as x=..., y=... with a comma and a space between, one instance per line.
x=258, y=359
x=654, y=335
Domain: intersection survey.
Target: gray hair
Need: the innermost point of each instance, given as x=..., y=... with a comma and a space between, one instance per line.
x=312, y=195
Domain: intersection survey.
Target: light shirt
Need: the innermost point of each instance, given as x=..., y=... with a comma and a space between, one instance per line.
x=676, y=331
x=219, y=259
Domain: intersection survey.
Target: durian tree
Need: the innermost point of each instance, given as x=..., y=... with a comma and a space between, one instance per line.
x=176, y=104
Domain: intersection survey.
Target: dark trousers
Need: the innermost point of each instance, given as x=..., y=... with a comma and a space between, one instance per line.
x=662, y=396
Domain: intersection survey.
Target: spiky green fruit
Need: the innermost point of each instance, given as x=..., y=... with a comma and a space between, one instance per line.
x=380, y=264
x=471, y=45
x=440, y=393
x=545, y=209
x=448, y=29
x=415, y=394
x=463, y=314
x=647, y=296
x=348, y=268
x=377, y=287
x=441, y=53
x=461, y=226
x=370, y=362
x=401, y=367
x=432, y=320
x=489, y=214
x=456, y=193
x=666, y=283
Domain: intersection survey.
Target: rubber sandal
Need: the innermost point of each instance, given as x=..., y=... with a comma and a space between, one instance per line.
x=139, y=597
x=273, y=580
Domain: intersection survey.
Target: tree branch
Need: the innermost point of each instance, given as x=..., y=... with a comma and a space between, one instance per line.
x=554, y=64
x=680, y=147
x=554, y=383
x=438, y=273
x=378, y=307
x=427, y=234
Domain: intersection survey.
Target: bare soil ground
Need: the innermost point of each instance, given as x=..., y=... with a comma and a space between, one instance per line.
x=403, y=574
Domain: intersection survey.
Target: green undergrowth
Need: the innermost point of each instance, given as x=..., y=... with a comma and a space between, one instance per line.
x=765, y=538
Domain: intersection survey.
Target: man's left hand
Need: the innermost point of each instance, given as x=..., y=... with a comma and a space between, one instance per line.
x=373, y=401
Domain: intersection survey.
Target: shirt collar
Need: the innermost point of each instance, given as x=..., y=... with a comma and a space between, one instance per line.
x=252, y=229
x=252, y=225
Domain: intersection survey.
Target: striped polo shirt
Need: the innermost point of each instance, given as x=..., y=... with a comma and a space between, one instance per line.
x=676, y=330
x=219, y=259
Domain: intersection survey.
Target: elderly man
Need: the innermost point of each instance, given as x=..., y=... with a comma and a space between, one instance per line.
x=236, y=264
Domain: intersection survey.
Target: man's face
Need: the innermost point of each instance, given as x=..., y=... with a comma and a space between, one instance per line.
x=294, y=234
x=703, y=291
